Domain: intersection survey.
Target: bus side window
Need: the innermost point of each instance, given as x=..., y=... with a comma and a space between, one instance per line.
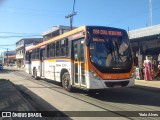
x=57, y=48
x=26, y=57
x=37, y=53
x=64, y=47
x=33, y=55
x=50, y=50
x=53, y=49
x=47, y=51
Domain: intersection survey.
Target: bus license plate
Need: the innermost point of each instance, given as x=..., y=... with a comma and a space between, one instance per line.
x=117, y=86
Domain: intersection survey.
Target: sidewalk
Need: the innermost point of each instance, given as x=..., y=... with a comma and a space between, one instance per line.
x=11, y=100
x=154, y=84
x=148, y=85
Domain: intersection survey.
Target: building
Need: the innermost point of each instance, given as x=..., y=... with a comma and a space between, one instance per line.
x=21, y=48
x=145, y=42
x=1, y=59
x=55, y=31
x=9, y=58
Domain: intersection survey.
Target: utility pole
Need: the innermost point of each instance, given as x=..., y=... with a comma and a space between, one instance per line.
x=128, y=33
x=7, y=57
x=1, y=58
x=150, y=12
x=71, y=16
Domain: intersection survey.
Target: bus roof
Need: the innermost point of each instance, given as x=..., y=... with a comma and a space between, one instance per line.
x=82, y=28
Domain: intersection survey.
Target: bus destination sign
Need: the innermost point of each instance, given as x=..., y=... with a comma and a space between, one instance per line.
x=107, y=32
x=76, y=36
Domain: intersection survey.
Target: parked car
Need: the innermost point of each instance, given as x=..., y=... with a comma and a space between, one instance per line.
x=1, y=66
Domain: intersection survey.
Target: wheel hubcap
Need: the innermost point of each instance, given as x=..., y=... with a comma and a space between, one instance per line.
x=66, y=82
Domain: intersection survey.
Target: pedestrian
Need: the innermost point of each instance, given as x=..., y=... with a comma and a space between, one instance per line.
x=158, y=71
x=148, y=69
x=159, y=66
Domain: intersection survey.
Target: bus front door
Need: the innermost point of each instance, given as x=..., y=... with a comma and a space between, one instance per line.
x=79, y=63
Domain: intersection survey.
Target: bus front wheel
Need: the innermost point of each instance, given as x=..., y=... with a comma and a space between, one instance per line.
x=66, y=82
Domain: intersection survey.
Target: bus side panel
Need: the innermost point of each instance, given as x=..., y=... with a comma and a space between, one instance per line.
x=61, y=65
x=27, y=65
x=49, y=69
x=54, y=67
x=35, y=64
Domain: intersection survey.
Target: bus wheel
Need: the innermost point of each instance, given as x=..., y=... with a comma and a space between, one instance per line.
x=35, y=74
x=66, y=82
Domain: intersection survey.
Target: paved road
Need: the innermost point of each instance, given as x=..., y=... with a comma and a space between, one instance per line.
x=46, y=95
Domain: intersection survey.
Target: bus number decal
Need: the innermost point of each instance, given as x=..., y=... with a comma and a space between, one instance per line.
x=64, y=65
x=58, y=65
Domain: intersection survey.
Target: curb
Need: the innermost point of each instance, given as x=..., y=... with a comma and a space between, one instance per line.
x=147, y=88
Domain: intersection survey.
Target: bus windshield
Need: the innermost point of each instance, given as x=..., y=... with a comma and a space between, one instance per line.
x=110, y=53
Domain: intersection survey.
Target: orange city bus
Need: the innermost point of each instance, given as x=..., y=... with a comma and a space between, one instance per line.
x=88, y=57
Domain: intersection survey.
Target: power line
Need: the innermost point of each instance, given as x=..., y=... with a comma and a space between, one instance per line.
x=20, y=36
x=6, y=48
x=9, y=45
x=33, y=14
x=19, y=33
x=33, y=9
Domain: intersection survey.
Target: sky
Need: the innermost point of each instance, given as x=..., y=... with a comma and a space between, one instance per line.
x=30, y=18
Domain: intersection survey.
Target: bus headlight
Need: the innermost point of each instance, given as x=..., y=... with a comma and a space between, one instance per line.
x=94, y=74
x=133, y=74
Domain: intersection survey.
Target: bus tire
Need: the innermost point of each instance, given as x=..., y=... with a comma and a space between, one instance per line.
x=35, y=74
x=66, y=82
